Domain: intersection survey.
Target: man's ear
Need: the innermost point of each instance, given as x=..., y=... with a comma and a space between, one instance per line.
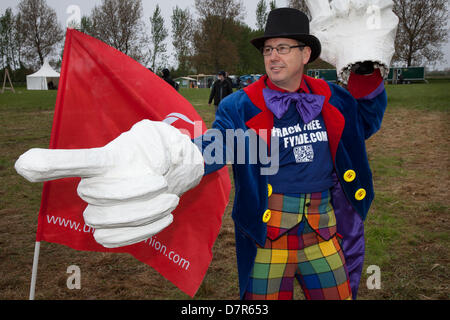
x=306, y=54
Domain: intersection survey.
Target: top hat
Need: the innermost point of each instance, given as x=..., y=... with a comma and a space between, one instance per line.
x=289, y=23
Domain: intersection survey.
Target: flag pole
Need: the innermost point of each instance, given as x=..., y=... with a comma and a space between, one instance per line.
x=37, y=247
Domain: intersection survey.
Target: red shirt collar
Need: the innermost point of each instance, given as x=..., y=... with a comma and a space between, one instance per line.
x=303, y=87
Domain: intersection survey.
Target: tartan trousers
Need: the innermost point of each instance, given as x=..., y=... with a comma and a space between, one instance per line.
x=301, y=243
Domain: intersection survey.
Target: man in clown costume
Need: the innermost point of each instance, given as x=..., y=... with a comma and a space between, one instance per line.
x=299, y=216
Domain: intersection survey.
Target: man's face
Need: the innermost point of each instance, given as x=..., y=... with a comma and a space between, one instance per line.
x=221, y=78
x=286, y=70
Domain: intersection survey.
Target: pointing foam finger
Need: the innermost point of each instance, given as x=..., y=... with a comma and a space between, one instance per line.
x=37, y=165
x=120, y=237
x=102, y=191
x=133, y=214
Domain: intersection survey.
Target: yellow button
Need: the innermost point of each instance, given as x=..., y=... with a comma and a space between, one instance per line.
x=269, y=188
x=349, y=175
x=266, y=216
x=360, y=194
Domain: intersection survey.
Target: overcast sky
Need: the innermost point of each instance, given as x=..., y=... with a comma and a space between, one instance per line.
x=166, y=6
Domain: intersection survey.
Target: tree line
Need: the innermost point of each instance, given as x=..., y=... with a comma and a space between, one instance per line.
x=211, y=38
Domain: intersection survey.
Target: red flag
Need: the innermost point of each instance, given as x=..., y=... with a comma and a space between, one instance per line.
x=102, y=93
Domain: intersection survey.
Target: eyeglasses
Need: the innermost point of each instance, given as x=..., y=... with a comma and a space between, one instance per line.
x=281, y=49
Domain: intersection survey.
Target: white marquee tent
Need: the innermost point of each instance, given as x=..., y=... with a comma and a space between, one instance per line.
x=40, y=79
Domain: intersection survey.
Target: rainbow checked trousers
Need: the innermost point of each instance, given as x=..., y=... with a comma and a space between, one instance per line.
x=301, y=243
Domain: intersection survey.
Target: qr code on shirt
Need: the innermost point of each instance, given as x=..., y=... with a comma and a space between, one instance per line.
x=304, y=154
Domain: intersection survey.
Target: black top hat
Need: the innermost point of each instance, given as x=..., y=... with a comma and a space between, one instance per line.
x=289, y=23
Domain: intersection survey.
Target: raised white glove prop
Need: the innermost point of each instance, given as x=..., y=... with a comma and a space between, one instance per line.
x=354, y=31
x=131, y=185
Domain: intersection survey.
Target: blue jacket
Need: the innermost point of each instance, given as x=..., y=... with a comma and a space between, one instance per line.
x=349, y=123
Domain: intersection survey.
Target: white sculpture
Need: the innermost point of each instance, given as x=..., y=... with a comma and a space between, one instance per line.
x=353, y=31
x=131, y=185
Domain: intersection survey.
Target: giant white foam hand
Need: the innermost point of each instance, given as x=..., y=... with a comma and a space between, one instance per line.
x=354, y=31
x=131, y=185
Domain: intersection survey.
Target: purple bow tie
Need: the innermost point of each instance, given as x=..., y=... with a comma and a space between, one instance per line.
x=308, y=105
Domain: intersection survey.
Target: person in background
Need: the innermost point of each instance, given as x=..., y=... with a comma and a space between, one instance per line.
x=220, y=89
x=168, y=79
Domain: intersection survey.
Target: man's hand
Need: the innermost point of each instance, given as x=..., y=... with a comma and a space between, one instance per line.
x=131, y=185
x=353, y=32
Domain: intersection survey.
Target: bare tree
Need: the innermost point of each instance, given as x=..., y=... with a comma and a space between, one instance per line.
x=422, y=30
x=300, y=5
x=227, y=9
x=19, y=39
x=158, y=36
x=261, y=15
x=182, y=36
x=40, y=28
x=86, y=25
x=273, y=5
x=214, y=40
x=119, y=24
x=7, y=44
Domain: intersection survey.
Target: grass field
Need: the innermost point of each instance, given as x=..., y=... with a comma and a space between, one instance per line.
x=407, y=229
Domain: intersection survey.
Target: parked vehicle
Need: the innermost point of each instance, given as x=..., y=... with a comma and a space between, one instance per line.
x=247, y=79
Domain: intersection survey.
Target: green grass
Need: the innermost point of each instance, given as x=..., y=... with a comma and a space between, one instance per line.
x=436, y=207
x=23, y=100
x=383, y=228
x=199, y=99
x=196, y=96
x=387, y=165
x=431, y=96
